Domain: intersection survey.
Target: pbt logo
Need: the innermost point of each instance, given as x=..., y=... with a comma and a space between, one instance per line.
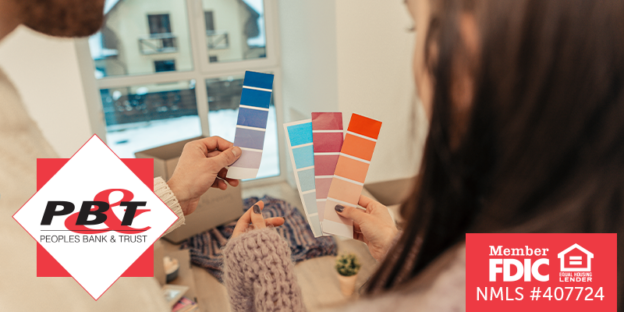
x=100, y=210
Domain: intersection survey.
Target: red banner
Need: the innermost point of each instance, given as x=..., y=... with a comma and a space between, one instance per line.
x=541, y=272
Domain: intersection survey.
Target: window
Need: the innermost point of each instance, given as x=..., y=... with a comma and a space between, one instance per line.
x=176, y=75
x=140, y=117
x=160, y=28
x=163, y=66
x=209, y=21
x=159, y=24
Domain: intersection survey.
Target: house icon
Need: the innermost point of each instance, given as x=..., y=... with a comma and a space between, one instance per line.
x=575, y=259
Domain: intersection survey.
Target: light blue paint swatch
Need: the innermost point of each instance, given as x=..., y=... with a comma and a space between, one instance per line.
x=310, y=200
x=306, y=178
x=304, y=156
x=301, y=151
x=300, y=134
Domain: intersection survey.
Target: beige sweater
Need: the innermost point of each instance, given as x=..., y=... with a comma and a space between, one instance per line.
x=21, y=143
x=259, y=276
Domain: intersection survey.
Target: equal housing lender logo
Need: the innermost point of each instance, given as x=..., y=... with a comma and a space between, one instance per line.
x=95, y=217
x=541, y=272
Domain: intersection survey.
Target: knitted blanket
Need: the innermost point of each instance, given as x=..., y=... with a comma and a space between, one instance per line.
x=206, y=248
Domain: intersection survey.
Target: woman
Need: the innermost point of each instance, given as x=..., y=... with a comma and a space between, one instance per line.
x=526, y=102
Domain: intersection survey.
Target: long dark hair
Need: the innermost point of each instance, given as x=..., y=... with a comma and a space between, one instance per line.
x=542, y=149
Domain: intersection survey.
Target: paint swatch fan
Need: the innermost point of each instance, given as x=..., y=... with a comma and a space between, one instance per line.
x=253, y=114
x=330, y=170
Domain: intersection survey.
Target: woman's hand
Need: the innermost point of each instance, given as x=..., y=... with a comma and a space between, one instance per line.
x=253, y=215
x=202, y=165
x=374, y=226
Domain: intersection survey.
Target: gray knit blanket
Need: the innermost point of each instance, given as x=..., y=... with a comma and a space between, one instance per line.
x=206, y=248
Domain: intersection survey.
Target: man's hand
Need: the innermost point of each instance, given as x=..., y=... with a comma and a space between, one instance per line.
x=202, y=165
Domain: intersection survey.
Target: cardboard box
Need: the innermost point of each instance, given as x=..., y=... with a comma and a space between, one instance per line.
x=216, y=207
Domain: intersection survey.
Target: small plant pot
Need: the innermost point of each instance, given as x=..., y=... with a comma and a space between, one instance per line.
x=347, y=284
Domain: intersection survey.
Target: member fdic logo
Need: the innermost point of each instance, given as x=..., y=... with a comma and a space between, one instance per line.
x=541, y=272
x=95, y=217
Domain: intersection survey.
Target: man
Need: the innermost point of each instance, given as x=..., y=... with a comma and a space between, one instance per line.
x=201, y=166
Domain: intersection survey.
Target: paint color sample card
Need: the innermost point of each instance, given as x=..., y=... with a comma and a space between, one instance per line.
x=327, y=134
x=301, y=150
x=346, y=186
x=253, y=114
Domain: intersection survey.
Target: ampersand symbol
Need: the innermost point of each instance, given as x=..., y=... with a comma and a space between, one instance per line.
x=112, y=222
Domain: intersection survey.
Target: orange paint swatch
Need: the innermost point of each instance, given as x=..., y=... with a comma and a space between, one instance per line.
x=348, y=181
x=358, y=147
x=344, y=191
x=351, y=169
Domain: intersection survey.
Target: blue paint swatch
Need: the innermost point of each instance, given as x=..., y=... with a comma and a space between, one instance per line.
x=252, y=118
x=247, y=166
x=257, y=98
x=258, y=80
x=300, y=134
x=304, y=156
x=306, y=179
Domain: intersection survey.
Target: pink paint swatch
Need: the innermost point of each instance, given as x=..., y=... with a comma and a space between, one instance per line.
x=327, y=134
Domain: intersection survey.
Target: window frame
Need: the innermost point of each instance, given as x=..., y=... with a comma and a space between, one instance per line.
x=202, y=70
x=149, y=25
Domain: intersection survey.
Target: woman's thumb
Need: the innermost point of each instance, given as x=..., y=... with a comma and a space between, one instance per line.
x=352, y=213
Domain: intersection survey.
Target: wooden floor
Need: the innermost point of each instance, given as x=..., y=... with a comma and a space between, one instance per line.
x=316, y=277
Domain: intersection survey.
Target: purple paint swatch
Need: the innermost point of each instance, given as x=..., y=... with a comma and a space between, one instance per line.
x=249, y=159
x=249, y=138
x=252, y=118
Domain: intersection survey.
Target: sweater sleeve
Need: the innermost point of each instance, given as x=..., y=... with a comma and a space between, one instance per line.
x=163, y=191
x=259, y=274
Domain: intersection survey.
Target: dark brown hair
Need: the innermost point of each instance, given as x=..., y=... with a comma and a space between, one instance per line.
x=543, y=146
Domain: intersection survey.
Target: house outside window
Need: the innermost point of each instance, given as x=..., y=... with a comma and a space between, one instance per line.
x=175, y=75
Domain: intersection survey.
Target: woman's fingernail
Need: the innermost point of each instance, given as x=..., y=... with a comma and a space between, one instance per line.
x=339, y=208
x=256, y=209
x=236, y=151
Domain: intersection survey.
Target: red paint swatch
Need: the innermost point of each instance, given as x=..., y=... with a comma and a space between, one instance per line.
x=327, y=142
x=327, y=135
x=327, y=121
x=364, y=126
x=325, y=165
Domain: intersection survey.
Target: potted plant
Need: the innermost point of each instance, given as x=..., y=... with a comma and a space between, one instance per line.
x=347, y=267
